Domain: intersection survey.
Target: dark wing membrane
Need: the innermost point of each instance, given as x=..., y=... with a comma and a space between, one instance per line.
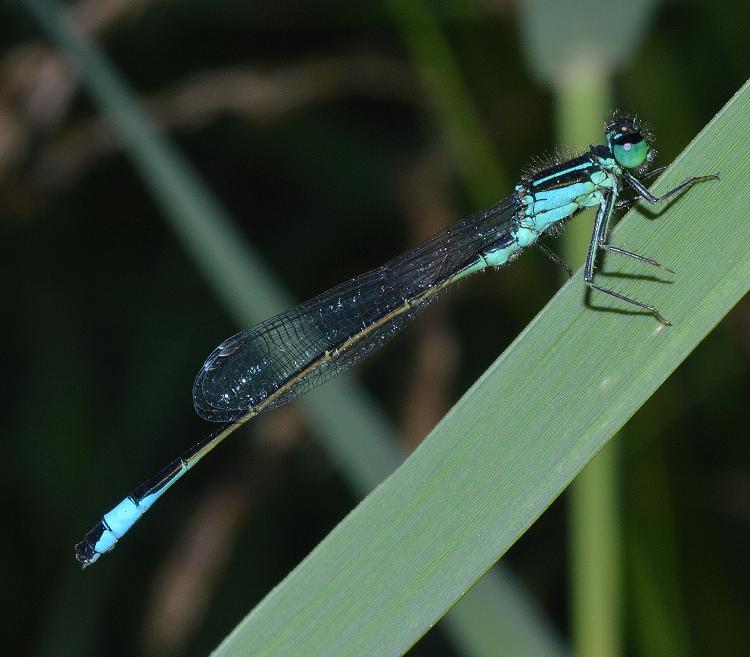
x=284, y=357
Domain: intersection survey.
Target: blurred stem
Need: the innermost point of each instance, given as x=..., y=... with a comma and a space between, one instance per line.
x=583, y=100
x=582, y=104
x=458, y=119
x=659, y=621
x=595, y=557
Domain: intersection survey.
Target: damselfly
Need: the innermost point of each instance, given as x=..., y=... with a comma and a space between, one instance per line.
x=272, y=363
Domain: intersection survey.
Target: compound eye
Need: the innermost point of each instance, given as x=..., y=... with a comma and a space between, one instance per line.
x=630, y=149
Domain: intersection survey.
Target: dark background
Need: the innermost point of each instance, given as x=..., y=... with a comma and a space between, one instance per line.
x=311, y=125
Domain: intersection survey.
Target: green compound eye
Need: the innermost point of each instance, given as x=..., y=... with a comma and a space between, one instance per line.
x=630, y=150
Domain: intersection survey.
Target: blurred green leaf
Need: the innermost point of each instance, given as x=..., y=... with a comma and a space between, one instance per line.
x=450, y=99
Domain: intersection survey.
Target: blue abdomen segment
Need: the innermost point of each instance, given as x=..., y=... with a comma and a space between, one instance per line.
x=501, y=255
x=117, y=522
x=497, y=254
x=113, y=526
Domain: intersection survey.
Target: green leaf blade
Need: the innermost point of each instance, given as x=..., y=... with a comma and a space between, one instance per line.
x=409, y=551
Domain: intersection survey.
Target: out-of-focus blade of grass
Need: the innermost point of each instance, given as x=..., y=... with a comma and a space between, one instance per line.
x=577, y=63
x=578, y=372
x=500, y=601
x=459, y=120
x=357, y=436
